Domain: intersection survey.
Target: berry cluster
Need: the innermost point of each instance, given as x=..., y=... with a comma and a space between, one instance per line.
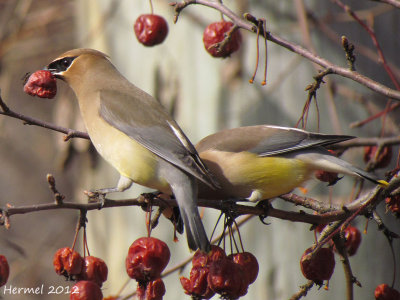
x=90, y=272
x=320, y=266
x=215, y=272
x=220, y=39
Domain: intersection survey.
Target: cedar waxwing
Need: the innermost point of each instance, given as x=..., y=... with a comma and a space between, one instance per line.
x=263, y=162
x=131, y=130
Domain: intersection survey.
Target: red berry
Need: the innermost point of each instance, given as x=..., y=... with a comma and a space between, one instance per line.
x=353, y=239
x=153, y=290
x=67, y=262
x=226, y=278
x=203, y=259
x=86, y=290
x=197, y=285
x=385, y=292
x=94, y=269
x=4, y=270
x=150, y=29
x=249, y=264
x=216, y=33
x=320, y=267
x=42, y=84
x=330, y=177
x=393, y=203
x=380, y=161
x=147, y=258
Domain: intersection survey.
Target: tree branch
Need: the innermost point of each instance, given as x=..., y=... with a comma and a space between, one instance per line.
x=70, y=133
x=395, y=3
x=335, y=69
x=327, y=213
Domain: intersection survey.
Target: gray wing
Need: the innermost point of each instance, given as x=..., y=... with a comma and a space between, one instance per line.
x=267, y=140
x=142, y=118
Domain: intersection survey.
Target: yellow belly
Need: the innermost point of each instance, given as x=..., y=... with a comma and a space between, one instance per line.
x=241, y=174
x=130, y=158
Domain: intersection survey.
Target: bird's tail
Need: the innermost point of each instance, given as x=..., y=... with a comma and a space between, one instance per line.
x=324, y=160
x=184, y=187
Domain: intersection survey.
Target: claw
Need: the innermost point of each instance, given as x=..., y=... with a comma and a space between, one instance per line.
x=96, y=196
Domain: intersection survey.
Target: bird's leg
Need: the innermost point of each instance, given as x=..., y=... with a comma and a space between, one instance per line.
x=123, y=184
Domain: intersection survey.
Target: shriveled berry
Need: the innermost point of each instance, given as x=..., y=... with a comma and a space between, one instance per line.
x=150, y=29
x=42, y=84
x=353, y=239
x=382, y=160
x=94, y=269
x=225, y=278
x=196, y=285
x=385, y=292
x=147, y=257
x=4, y=270
x=203, y=259
x=153, y=290
x=216, y=33
x=318, y=267
x=249, y=264
x=67, y=262
x=86, y=290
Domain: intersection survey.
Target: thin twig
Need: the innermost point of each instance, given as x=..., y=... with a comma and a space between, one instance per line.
x=303, y=290
x=350, y=279
x=32, y=121
x=326, y=64
x=395, y=3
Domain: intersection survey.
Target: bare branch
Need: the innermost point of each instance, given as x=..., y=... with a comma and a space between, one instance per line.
x=335, y=69
x=70, y=133
x=395, y=3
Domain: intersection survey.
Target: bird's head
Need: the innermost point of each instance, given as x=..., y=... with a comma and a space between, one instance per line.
x=74, y=64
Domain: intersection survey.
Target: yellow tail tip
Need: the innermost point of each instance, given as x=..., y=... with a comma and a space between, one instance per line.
x=383, y=183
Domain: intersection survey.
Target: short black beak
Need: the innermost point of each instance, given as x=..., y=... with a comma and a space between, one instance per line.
x=53, y=71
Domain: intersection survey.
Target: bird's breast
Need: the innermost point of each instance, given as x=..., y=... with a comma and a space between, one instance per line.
x=130, y=158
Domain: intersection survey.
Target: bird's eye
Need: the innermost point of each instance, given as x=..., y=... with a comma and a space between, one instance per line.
x=66, y=62
x=62, y=64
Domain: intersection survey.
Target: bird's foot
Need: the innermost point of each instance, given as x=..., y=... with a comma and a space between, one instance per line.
x=265, y=205
x=96, y=196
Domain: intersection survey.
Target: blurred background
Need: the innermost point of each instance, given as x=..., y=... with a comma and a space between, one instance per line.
x=205, y=95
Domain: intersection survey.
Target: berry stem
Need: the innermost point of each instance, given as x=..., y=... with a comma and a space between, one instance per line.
x=258, y=52
x=264, y=82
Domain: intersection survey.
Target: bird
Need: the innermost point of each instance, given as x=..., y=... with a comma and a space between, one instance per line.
x=264, y=161
x=132, y=131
